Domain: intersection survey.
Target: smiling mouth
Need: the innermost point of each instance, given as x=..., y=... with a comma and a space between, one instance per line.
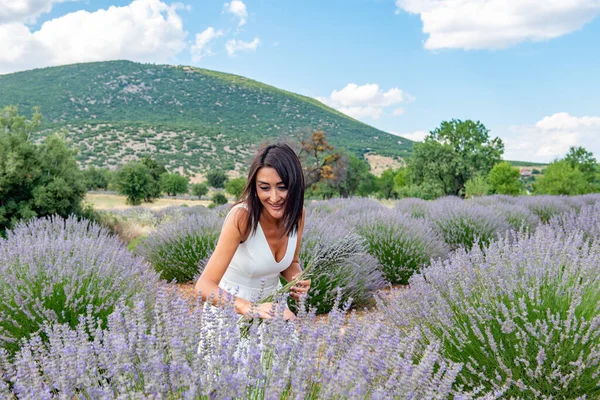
x=277, y=206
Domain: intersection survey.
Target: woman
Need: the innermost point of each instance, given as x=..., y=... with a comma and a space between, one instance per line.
x=261, y=236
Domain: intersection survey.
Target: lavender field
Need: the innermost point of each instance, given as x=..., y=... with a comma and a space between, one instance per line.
x=495, y=297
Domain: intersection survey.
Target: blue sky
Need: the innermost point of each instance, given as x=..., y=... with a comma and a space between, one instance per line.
x=527, y=69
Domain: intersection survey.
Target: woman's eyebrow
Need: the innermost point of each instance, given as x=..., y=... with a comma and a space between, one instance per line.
x=267, y=183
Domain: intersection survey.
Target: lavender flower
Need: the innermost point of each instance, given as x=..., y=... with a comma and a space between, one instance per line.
x=546, y=206
x=522, y=315
x=352, y=269
x=141, y=355
x=518, y=216
x=464, y=224
x=177, y=249
x=402, y=244
x=54, y=270
x=416, y=207
x=586, y=221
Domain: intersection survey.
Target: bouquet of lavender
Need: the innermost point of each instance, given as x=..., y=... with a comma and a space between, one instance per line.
x=324, y=257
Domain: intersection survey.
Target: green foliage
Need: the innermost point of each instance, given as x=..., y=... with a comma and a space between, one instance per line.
x=367, y=185
x=535, y=171
x=199, y=189
x=135, y=181
x=477, y=186
x=155, y=169
x=173, y=184
x=386, y=185
x=452, y=154
x=35, y=180
x=561, y=178
x=583, y=160
x=216, y=178
x=356, y=171
x=219, y=198
x=504, y=179
x=97, y=178
x=235, y=187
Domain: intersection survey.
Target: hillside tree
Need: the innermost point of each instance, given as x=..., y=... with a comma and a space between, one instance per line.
x=453, y=153
x=505, y=179
x=173, y=184
x=199, y=189
x=135, y=181
x=560, y=178
x=216, y=178
x=320, y=160
x=235, y=187
x=35, y=180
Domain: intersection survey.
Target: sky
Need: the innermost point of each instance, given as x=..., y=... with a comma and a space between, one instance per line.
x=527, y=69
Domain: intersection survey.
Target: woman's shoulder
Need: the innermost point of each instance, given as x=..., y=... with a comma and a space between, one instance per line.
x=238, y=216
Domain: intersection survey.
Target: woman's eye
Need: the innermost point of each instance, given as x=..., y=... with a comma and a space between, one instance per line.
x=264, y=188
x=282, y=188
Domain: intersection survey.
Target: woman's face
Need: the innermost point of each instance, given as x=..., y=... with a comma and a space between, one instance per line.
x=272, y=192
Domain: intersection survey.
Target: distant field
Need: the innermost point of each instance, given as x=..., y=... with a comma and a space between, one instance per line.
x=526, y=164
x=113, y=201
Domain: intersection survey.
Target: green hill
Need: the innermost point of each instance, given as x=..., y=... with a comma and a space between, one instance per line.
x=191, y=119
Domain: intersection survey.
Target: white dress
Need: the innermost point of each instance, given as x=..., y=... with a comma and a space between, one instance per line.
x=253, y=272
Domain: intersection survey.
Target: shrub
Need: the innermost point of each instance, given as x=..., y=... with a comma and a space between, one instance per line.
x=417, y=208
x=235, y=187
x=587, y=221
x=134, y=180
x=545, y=207
x=401, y=243
x=517, y=216
x=173, y=184
x=175, y=249
x=464, y=224
x=477, y=186
x=216, y=178
x=199, y=189
x=55, y=270
x=522, y=315
x=357, y=274
x=219, y=199
x=156, y=356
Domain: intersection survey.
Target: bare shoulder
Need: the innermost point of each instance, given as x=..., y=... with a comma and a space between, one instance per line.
x=238, y=217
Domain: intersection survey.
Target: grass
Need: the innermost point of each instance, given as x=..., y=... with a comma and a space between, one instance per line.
x=113, y=201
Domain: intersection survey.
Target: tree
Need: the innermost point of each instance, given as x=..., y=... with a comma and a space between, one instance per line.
x=219, y=198
x=452, y=154
x=216, y=178
x=476, y=187
x=35, y=180
x=173, y=184
x=561, y=178
x=367, y=185
x=135, y=181
x=319, y=159
x=400, y=179
x=580, y=158
x=505, y=179
x=235, y=187
x=155, y=169
x=199, y=189
x=385, y=185
x=355, y=172
x=97, y=178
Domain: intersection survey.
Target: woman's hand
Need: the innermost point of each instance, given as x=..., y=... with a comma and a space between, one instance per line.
x=268, y=310
x=300, y=289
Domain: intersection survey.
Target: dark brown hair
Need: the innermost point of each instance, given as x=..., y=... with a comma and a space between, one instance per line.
x=282, y=158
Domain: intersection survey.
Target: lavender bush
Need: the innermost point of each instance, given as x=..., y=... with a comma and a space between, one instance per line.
x=586, y=221
x=355, y=272
x=348, y=206
x=522, y=315
x=546, y=206
x=464, y=224
x=55, y=270
x=518, y=216
x=177, y=249
x=402, y=244
x=417, y=208
x=157, y=356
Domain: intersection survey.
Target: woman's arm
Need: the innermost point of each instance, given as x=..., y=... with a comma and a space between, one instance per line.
x=294, y=269
x=229, y=240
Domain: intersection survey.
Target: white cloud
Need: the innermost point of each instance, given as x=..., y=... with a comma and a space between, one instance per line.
x=238, y=8
x=201, y=48
x=145, y=30
x=366, y=100
x=25, y=11
x=233, y=46
x=417, y=136
x=551, y=137
x=479, y=24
